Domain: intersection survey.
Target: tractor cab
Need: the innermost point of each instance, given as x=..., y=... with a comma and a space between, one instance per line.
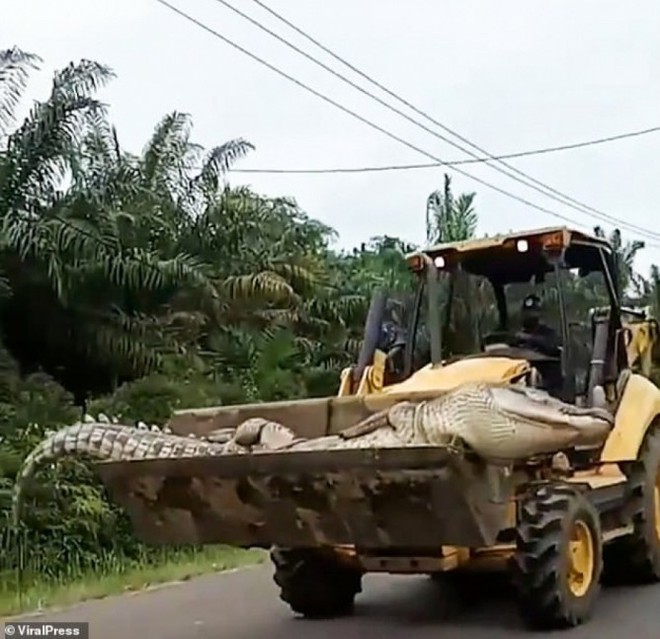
x=541, y=304
x=566, y=278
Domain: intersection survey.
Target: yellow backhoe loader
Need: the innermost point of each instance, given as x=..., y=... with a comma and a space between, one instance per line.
x=509, y=450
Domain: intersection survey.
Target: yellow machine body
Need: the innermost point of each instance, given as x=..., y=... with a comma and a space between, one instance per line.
x=638, y=409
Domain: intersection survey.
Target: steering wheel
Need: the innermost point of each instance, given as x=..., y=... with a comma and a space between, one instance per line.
x=498, y=337
x=535, y=342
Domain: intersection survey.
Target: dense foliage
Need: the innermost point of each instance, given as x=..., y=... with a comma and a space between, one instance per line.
x=139, y=284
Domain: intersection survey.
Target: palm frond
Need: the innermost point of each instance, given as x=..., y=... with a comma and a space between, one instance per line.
x=264, y=285
x=5, y=287
x=141, y=270
x=37, y=154
x=302, y=278
x=15, y=67
x=122, y=341
x=165, y=159
x=76, y=81
x=218, y=161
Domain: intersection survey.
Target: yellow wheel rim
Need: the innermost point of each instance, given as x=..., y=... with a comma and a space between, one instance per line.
x=581, y=559
x=657, y=504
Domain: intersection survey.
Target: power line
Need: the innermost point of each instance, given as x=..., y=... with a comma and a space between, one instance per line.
x=552, y=192
x=430, y=165
x=362, y=119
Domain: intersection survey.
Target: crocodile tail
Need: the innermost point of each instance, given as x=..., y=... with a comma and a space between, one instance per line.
x=101, y=441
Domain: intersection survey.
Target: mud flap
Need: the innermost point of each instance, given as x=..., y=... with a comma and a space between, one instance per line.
x=421, y=497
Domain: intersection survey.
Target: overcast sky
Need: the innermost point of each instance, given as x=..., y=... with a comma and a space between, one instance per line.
x=509, y=75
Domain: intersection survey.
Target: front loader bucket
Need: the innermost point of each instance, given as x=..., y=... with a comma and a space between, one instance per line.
x=370, y=498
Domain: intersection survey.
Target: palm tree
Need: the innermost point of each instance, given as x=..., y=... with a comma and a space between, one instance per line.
x=629, y=281
x=74, y=247
x=449, y=219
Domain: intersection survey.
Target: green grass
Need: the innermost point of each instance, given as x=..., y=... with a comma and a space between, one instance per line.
x=32, y=592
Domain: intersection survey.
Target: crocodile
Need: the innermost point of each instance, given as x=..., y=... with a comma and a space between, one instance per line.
x=499, y=423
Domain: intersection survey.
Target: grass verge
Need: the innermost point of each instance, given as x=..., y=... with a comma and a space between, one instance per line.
x=31, y=593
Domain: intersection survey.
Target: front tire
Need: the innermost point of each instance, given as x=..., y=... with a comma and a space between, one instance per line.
x=314, y=584
x=558, y=560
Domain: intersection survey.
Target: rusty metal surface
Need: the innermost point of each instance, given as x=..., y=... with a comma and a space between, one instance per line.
x=422, y=498
x=308, y=418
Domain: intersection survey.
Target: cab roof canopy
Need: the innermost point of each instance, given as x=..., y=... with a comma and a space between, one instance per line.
x=517, y=257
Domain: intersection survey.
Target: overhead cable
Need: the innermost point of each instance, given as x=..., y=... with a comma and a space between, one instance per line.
x=362, y=119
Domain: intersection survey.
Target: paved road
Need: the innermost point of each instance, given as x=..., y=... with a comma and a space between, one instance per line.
x=244, y=605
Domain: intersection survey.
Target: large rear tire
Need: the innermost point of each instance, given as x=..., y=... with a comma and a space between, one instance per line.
x=314, y=584
x=558, y=559
x=636, y=557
